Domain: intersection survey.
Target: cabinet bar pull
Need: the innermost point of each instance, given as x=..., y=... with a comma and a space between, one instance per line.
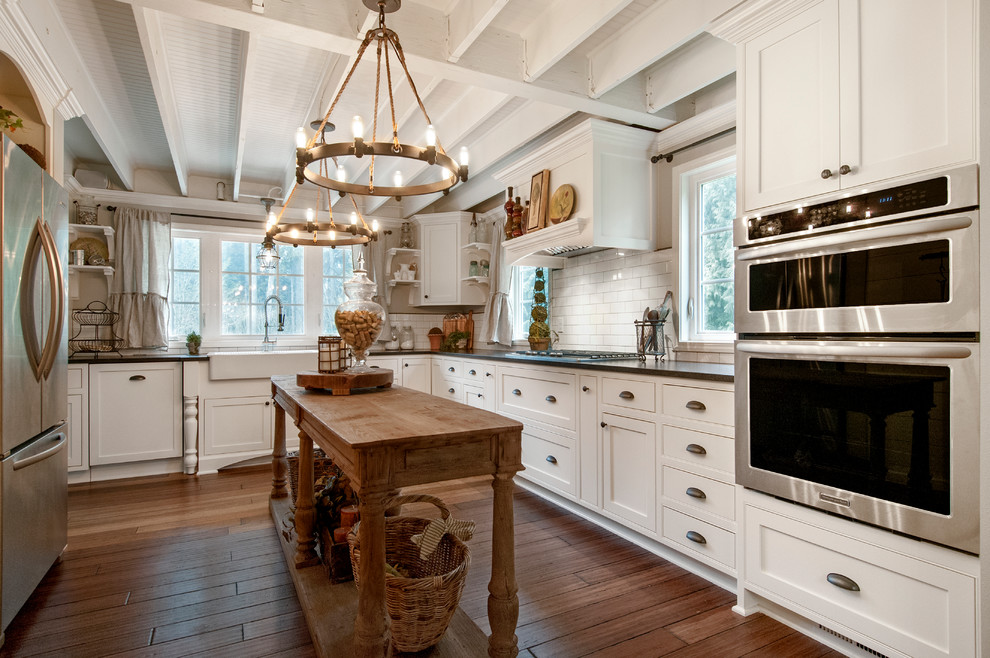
x=694, y=404
x=516, y=391
x=695, y=449
x=551, y=398
x=450, y=369
x=626, y=395
x=450, y=390
x=585, y=389
x=137, y=378
x=696, y=537
x=472, y=372
x=842, y=582
x=551, y=459
x=695, y=492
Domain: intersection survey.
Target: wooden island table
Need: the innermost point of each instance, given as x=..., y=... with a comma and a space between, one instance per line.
x=385, y=439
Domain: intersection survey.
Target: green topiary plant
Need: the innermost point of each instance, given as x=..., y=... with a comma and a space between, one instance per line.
x=539, y=330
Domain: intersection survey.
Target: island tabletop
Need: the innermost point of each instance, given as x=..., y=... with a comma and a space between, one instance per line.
x=385, y=439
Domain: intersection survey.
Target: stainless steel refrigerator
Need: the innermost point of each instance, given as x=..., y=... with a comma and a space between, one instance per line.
x=33, y=509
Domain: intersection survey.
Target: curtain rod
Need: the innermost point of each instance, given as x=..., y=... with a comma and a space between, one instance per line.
x=670, y=156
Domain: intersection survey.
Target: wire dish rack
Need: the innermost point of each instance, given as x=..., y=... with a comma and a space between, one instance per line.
x=96, y=320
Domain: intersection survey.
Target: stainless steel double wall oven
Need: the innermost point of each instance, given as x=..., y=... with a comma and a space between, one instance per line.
x=857, y=364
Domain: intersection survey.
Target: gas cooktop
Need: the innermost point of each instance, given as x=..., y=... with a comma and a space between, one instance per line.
x=575, y=355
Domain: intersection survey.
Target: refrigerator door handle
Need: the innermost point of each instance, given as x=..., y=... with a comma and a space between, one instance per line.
x=29, y=324
x=59, y=440
x=57, y=317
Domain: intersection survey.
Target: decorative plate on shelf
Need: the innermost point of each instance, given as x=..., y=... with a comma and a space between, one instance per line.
x=561, y=204
x=96, y=250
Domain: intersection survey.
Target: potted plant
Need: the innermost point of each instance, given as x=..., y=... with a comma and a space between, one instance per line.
x=9, y=122
x=436, y=338
x=539, y=330
x=193, y=341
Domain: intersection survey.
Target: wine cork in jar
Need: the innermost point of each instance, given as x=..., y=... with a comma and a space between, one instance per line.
x=340, y=535
x=348, y=516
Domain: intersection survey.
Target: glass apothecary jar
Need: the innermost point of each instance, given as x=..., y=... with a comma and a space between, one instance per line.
x=405, y=236
x=359, y=319
x=473, y=268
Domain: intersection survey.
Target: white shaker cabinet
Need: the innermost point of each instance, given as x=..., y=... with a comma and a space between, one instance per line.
x=237, y=424
x=629, y=471
x=135, y=412
x=416, y=373
x=445, y=263
x=845, y=94
x=78, y=416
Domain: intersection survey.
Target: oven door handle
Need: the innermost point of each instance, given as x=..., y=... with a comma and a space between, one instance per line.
x=857, y=350
x=866, y=237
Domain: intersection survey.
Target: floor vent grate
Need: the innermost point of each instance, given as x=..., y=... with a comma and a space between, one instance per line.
x=853, y=642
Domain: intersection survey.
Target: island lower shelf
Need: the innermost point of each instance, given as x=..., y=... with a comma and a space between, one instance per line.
x=330, y=609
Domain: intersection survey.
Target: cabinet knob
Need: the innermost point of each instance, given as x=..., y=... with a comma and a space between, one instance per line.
x=626, y=395
x=516, y=391
x=826, y=173
x=426, y=296
x=604, y=424
x=842, y=582
x=267, y=402
x=695, y=492
x=695, y=449
x=696, y=537
x=137, y=378
x=450, y=390
x=480, y=395
x=551, y=398
x=585, y=389
x=697, y=406
x=450, y=369
x=488, y=374
x=472, y=372
x=845, y=169
x=405, y=365
x=551, y=459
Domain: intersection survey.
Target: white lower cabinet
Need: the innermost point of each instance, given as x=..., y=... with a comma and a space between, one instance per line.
x=629, y=475
x=77, y=419
x=240, y=424
x=389, y=362
x=474, y=396
x=135, y=412
x=416, y=373
x=550, y=460
x=892, y=594
x=702, y=540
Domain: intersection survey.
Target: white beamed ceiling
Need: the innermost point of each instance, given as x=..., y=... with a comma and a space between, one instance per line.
x=209, y=90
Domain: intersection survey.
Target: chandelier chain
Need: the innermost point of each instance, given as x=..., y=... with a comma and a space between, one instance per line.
x=391, y=101
x=374, y=118
x=394, y=40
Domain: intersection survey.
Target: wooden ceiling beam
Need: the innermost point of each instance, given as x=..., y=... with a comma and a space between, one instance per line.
x=466, y=21
x=248, y=88
x=693, y=67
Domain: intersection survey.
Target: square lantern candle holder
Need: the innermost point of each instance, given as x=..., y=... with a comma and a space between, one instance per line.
x=334, y=356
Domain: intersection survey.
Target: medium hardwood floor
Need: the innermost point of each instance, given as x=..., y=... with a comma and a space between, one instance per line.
x=181, y=566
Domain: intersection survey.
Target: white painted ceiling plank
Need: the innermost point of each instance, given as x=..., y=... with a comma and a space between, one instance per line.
x=153, y=44
x=466, y=21
x=561, y=27
x=693, y=67
x=249, y=56
x=46, y=22
x=659, y=32
x=519, y=128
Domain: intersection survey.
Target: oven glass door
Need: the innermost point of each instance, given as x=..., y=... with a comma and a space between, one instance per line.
x=881, y=431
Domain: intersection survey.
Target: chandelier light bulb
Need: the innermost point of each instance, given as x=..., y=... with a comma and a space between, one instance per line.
x=374, y=225
x=357, y=127
x=431, y=135
x=272, y=219
x=341, y=174
x=301, y=139
x=354, y=218
x=310, y=215
x=397, y=178
x=333, y=235
x=294, y=233
x=463, y=158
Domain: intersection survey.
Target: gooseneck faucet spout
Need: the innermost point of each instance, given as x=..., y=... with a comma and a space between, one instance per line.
x=267, y=343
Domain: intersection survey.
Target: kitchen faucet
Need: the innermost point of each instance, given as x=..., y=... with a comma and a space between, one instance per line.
x=268, y=343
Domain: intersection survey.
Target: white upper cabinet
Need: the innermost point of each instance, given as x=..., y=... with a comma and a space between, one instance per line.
x=847, y=93
x=444, y=262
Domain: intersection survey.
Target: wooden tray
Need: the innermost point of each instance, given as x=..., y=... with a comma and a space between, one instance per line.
x=342, y=383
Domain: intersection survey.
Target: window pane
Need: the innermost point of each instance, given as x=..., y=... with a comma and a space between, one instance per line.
x=185, y=254
x=337, y=262
x=716, y=312
x=185, y=287
x=262, y=285
x=716, y=255
x=718, y=203
x=234, y=319
x=291, y=289
x=234, y=256
x=291, y=259
x=333, y=292
x=184, y=319
x=295, y=321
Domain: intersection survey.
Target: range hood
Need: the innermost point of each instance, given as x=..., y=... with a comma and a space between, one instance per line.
x=608, y=165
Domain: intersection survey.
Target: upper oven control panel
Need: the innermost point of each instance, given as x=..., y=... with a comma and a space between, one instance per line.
x=918, y=195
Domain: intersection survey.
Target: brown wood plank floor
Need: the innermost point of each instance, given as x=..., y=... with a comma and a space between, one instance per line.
x=182, y=566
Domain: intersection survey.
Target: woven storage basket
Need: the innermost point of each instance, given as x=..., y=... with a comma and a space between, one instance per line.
x=322, y=465
x=420, y=606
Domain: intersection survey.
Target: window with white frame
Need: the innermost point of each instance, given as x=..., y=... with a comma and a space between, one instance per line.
x=521, y=299
x=219, y=290
x=707, y=211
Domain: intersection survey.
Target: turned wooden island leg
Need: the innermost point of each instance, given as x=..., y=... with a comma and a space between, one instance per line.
x=305, y=509
x=370, y=633
x=503, y=603
x=280, y=465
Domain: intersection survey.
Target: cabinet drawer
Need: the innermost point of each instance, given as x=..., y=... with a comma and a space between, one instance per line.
x=232, y=425
x=705, y=404
x=629, y=394
x=912, y=605
x=474, y=372
x=449, y=389
x=705, y=539
x=76, y=377
x=699, y=492
x=451, y=368
x=700, y=449
x=544, y=397
x=474, y=396
x=549, y=460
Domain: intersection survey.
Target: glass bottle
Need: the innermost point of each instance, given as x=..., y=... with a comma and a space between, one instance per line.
x=517, y=210
x=473, y=268
x=509, y=205
x=483, y=236
x=483, y=268
x=359, y=319
x=473, y=231
x=405, y=236
x=407, y=340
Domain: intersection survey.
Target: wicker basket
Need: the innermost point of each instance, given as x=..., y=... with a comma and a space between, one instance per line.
x=322, y=465
x=420, y=606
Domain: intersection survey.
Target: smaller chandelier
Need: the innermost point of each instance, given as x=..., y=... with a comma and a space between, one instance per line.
x=268, y=254
x=317, y=150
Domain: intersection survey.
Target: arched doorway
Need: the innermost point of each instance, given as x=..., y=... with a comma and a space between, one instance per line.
x=16, y=95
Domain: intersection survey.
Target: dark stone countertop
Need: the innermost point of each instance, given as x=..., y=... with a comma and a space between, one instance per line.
x=113, y=357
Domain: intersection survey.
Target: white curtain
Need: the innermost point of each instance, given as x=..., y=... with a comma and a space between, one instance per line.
x=498, y=319
x=139, y=292
x=374, y=253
